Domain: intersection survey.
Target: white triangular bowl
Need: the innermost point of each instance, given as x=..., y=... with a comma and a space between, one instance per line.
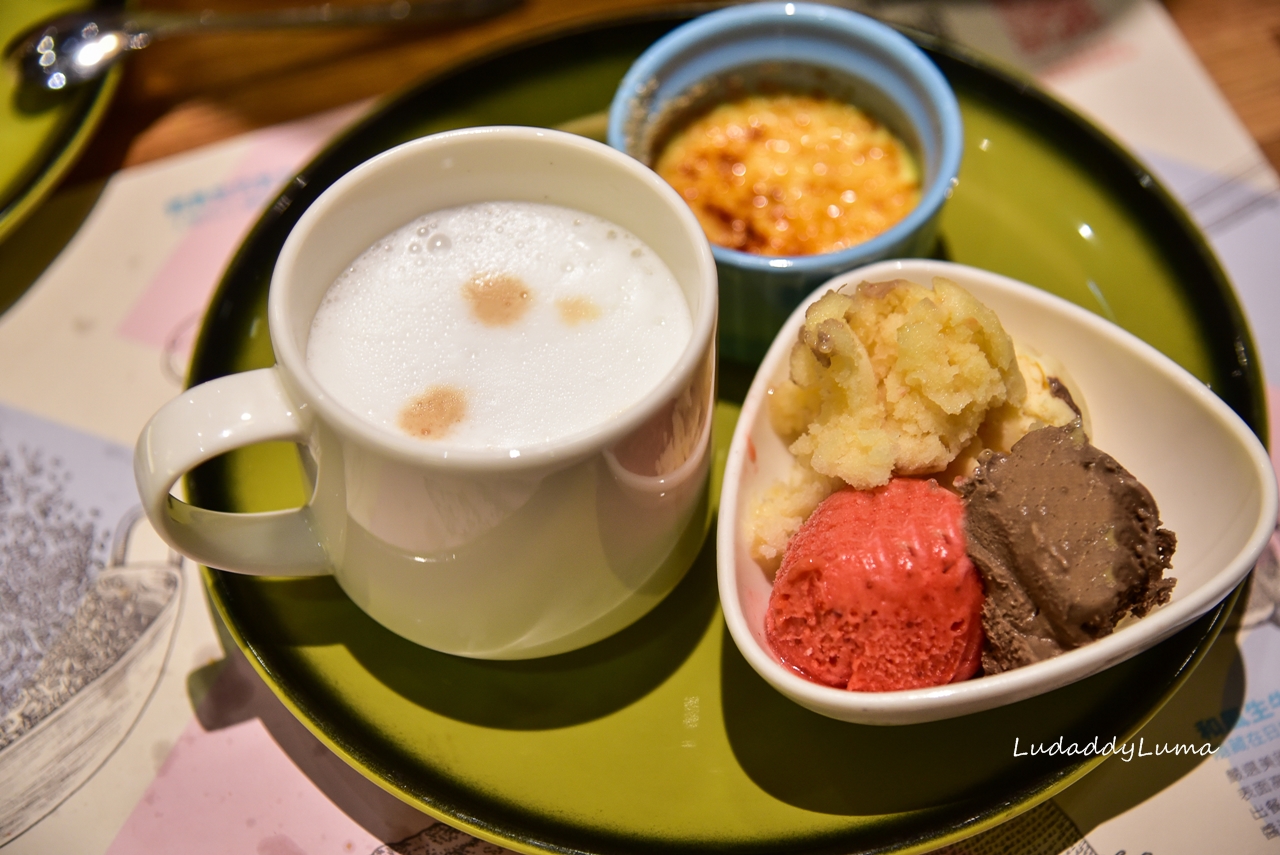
x=1210, y=476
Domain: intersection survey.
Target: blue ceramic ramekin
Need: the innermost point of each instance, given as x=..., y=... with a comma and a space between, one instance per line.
x=794, y=45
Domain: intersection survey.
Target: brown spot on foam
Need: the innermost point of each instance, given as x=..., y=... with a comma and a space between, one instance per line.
x=497, y=299
x=577, y=309
x=433, y=413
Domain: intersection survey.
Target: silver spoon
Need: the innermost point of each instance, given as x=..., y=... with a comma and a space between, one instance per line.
x=79, y=47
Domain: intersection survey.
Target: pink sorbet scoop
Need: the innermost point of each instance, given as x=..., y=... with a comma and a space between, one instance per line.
x=876, y=592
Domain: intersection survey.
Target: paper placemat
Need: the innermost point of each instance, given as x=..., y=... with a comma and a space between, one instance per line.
x=205, y=759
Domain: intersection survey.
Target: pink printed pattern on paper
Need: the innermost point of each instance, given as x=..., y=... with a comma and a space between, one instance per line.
x=234, y=790
x=1040, y=25
x=247, y=777
x=217, y=217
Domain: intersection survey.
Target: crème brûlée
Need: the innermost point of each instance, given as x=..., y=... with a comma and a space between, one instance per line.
x=791, y=174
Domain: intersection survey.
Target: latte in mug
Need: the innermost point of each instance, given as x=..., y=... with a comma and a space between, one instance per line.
x=509, y=443
x=499, y=324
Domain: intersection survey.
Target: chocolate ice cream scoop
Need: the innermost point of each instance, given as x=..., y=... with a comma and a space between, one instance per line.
x=1068, y=543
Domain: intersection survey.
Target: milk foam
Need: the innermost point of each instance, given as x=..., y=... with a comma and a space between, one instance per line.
x=599, y=322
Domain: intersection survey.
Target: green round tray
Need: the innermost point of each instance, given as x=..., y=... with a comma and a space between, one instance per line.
x=42, y=133
x=662, y=738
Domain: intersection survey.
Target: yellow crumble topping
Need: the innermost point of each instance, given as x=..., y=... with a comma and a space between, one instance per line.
x=791, y=175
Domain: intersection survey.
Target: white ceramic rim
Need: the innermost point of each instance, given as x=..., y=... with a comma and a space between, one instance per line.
x=919, y=705
x=566, y=449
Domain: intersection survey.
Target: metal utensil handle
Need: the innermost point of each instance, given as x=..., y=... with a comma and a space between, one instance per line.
x=160, y=24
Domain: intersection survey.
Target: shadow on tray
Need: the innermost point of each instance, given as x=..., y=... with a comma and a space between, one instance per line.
x=534, y=694
x=886, y=770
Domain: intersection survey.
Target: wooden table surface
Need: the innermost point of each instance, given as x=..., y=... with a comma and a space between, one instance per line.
x=1238, y=41
x=190, y=91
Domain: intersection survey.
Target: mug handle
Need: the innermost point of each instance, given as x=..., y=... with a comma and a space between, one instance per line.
x=207, y=420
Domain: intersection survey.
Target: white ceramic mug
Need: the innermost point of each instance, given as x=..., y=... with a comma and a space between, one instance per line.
x=476, y=552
